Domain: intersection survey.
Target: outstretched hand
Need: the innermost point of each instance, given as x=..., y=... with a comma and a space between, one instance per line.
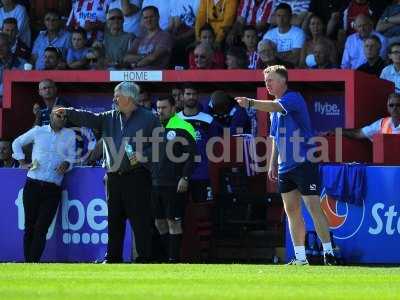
x=61, y=112
x=243, y=101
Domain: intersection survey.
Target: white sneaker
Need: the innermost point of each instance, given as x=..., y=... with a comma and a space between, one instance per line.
x=297, y=262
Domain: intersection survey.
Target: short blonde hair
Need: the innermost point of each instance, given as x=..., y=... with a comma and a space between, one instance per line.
x=278, y=69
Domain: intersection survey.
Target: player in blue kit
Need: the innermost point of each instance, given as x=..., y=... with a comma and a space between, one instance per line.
x=293, y=162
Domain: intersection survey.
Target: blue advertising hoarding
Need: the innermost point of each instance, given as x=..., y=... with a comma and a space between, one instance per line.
x=78, y=232
x=370, y=232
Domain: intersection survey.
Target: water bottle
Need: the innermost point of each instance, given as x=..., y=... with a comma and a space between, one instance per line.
x=130, y=153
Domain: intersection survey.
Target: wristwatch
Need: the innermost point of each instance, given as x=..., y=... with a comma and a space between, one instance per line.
x=185, y=178
x=386, y=19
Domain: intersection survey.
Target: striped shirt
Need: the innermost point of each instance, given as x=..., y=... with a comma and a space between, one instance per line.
x=298, y=6
x=253, y=12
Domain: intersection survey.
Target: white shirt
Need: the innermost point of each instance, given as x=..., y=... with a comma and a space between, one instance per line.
x=20, y=14
x=370, y=130
x=131, y=23
x=164, y=8
x=50, y=149
x=389, y=73
x=293, y=39
x=354, y=56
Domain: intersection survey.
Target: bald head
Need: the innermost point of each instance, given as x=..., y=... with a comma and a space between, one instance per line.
x=203, y=56
x=363, y=25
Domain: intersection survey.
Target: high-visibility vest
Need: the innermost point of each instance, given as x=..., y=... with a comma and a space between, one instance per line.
x=386, y=127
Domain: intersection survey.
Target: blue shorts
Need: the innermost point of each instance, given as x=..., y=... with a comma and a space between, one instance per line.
x=305, y=178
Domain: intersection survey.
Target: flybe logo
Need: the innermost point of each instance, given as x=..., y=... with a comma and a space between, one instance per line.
x=79, y=224
x=326, y=109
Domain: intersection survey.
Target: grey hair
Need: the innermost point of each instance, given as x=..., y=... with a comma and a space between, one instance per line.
x=129, y=89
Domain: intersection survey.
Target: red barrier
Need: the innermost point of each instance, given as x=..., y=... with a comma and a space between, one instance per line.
x=386, y=149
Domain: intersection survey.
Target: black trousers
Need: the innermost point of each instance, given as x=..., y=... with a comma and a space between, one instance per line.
x=41, y=200
x=129, y=197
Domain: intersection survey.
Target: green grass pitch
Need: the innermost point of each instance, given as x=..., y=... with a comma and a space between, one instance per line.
x=184, y=281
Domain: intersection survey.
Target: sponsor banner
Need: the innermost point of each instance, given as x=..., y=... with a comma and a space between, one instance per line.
x=135, y=75
x=369, y=233
x=78, y=232
x=326, y=111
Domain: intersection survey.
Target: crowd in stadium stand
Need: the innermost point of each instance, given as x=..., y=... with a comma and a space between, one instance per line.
x=203, y=34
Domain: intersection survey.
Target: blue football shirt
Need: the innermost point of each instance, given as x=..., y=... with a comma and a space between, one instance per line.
x=291, y=130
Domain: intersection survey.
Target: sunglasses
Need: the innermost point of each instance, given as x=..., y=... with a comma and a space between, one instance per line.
x=115, y=18
x=199, y=56
x=394, y=105
x=92, y=60
x=395, y=52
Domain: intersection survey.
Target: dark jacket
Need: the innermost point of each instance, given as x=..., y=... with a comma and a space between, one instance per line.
x=179, y=136
x=116, y=132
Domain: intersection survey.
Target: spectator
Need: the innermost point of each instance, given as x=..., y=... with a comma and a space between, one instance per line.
x=387, y=125
x=131, y=11
x=116, y=42
x=6, y=159
x=389, y=23
x=392, y=71
x=90, y=15
x=53, y=59
x=353, y=55
x=177, y=94
x=300, y=9
x=236, y=58
x=76, y=55
x=255, y=13
x=182, y=28
x=11, y=9
x=18, y=47
x=95, y=58
x=220, y=14
x=250, y=40
x=321, y=53
x=52, y=156
x=289, y=39
x=171, y=178
x=48, y=93
x=316, y=34
x=203, y=57
x=375, y=63
x=146, y=102
x=228, y=113
x=205, y=128
x=8, y=61
x=207, y=36
x=54, y=36
x=268, y=56
x=353, y=10
x=153, y=50
x=329, y=11
x=164, y=10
